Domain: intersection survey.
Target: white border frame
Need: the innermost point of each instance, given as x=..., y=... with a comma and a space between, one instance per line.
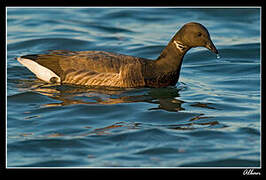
x=192, y=7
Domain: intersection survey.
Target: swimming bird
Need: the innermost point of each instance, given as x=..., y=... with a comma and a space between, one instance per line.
x=99, y=68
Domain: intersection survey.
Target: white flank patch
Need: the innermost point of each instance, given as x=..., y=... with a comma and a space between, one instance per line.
x=40, y=71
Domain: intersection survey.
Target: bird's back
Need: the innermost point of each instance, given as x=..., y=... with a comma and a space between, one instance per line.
x=91, y=68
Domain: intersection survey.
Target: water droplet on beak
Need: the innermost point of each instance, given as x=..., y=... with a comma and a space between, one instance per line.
x=218, y=56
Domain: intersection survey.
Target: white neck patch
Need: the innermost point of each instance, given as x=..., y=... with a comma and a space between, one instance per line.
x=179, y=46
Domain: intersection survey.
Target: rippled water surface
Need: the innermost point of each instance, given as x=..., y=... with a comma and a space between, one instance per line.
x=211, y=118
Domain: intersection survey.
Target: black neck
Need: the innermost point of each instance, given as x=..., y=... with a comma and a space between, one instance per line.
x=164, y=71
x=169, y=63
x=171, y=57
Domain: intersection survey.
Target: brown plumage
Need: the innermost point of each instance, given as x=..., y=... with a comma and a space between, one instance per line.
x=99, y=68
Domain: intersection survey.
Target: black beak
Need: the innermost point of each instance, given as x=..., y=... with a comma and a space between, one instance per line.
x=211, y=47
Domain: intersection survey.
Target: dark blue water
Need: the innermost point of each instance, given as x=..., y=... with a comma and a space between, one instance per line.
x=211, y=118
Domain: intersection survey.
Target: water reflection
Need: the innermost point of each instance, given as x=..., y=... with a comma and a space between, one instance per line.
x=166, y=98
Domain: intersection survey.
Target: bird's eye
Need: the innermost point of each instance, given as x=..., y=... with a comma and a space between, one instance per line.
x=199, y=34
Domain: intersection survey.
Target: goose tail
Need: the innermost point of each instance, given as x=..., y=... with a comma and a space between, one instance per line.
x=40, y=71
